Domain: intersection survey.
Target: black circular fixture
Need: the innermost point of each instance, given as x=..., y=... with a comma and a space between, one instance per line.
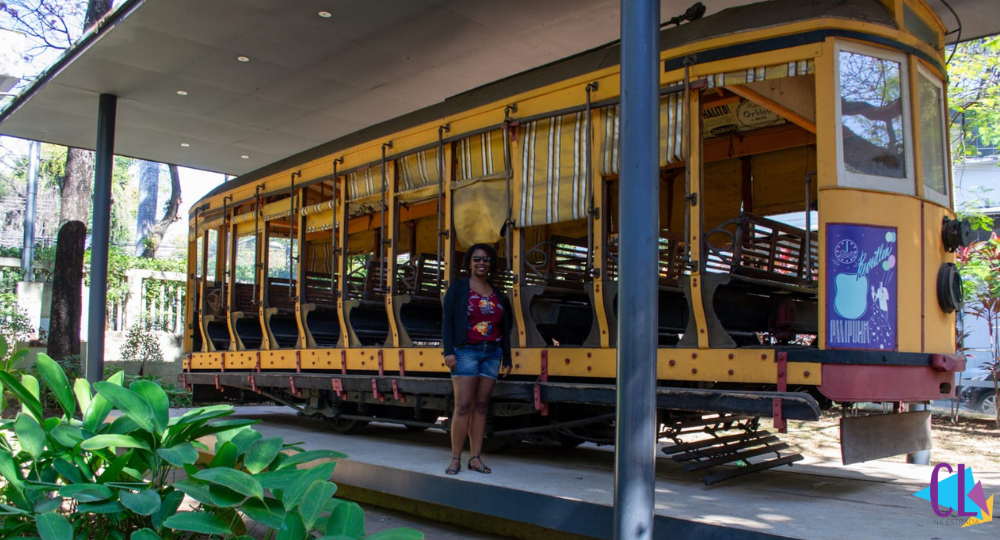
x=956, y=233
x=949, y=288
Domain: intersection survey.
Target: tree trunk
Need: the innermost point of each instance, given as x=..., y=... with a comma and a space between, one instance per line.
x=67, y=284
x=173, y=205
x=149, y=184
x=95, y=10
x=77, y=187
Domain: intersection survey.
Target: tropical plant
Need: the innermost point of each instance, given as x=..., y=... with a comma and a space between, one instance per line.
x=83, y=475
x=979, y=265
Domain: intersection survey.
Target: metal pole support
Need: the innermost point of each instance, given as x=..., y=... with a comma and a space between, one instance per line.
x=635, y=446
x=101, y=235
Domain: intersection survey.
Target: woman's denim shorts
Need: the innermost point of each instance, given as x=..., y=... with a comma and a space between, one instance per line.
x=477, y=360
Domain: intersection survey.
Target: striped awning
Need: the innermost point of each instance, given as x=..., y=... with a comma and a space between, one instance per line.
x=277, y=209
x=365, y=183
x=322, y=221
x=418, y=170
x=553, y=166
x=318, y=207
x=671, y=133
x=211, y=224
x=481, y=156
x=762, y=73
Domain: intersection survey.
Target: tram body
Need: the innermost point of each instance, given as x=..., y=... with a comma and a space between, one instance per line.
x=806, y=235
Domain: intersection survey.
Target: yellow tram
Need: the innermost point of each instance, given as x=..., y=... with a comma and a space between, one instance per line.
x=806, y=236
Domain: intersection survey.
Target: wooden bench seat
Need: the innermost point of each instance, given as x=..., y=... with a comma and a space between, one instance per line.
x=279, y=315
x=319, y=311
x=417, y=304
x=245, y=317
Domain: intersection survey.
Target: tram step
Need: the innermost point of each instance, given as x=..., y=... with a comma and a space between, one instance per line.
x=735, y=456
x=714, y=441
x=756, y=467
x=711, y=451
x=722, y=421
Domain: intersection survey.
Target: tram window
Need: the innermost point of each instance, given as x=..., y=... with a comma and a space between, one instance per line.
x=280, y=251
x=213, y=251
x=246, y=253
x=930, y=94
x=874, y=145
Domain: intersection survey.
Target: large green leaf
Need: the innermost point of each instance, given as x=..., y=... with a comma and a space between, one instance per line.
x=81, y=388
x=210, y=494
x=86, y=492
x=157, y=400
x=3, y=346
x=293, y=493
x=129, y=402
x=55, y=377
x=347, y=519
x=67, y=435
x=246, y=439
x=200, y=414
x=168, y=507
x=268, y=512
x=48, y=504
x=27, y=399
x=100, y=407
x=233, y=479
x=225, y=455
x=30, y=384
x=114, y=469
x=143, y=502
x=107, y=507
x=197, y=522
x=145, y=534
x=10, y=470
x=262, y=453
x=179, y=455
x=113, y=441
x=53, y=526
x=68, y=471
x=314, y=500
x=401, y=533
x=311, y=455
x=292, y=528
x=278, y=479
x=30, y=434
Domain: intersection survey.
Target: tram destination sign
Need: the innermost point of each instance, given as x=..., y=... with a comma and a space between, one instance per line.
x=861, y=305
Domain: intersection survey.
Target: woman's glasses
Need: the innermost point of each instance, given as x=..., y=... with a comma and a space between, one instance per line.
x=481, y=259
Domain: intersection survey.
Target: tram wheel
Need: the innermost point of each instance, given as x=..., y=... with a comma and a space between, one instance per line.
x=347, y=426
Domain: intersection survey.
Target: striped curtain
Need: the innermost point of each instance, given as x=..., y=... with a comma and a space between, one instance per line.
x=762, y=73
x=418, y=170
x=671, y=133
x=365, y=183
x=553, y=165
x=480, y=156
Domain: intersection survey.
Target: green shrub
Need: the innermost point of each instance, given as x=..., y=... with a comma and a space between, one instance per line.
x=82, y=476
x=14, y=323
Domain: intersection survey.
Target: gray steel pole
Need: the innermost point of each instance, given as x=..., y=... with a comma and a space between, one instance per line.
x=30, y=198
x=639, y=195
x=101, y=235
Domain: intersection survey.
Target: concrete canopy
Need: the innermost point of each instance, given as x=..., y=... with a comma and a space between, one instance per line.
x=309, y=79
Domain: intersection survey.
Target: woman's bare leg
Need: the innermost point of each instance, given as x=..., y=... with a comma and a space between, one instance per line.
x=465, y=399
x=478, y=424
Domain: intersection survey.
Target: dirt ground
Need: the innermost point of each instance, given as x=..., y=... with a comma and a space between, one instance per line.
x=974, y=440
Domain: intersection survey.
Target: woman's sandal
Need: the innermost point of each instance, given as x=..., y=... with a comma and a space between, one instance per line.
x=454, y=470
x=482, y=468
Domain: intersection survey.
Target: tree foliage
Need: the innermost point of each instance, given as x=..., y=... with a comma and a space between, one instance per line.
x=974, y=95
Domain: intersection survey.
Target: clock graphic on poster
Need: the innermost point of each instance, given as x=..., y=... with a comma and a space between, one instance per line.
x=846, y=251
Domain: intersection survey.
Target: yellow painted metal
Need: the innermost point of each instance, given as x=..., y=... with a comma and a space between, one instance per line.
x=448, y=236
x=938, y=326
x=388, y=249
x=915, y=127
x=599, y=231
x=230, y=275
x=870, y=208
x=341, y=257
x=745, y=366
x=300, y=268
x=696, y=218
x=826, y=120
x=517, y=255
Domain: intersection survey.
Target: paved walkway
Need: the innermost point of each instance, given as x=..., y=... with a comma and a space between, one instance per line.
x=572, y=491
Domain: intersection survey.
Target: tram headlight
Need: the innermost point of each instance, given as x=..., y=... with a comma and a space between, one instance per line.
x=949, y=288
x=956, y=233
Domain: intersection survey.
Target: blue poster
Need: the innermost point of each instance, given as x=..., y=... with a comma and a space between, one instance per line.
x=861, y=303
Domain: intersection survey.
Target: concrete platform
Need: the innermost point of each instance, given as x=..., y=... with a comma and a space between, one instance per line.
x=571, y=492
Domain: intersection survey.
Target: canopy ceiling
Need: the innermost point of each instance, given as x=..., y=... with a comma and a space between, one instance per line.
x=310, y=79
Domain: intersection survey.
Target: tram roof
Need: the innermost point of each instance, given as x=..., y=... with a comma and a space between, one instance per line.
x=310, y=79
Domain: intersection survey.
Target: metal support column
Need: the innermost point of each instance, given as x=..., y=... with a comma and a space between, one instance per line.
x=923, y=457
x=30, y=197
x=100, y=236
x=635, y=450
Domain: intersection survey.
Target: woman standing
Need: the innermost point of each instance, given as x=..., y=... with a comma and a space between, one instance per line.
x=476, y=328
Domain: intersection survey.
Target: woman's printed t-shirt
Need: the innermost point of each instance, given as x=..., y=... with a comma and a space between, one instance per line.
x=485, y=316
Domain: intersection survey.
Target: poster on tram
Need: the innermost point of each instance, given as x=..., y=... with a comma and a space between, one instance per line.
x=861, y=302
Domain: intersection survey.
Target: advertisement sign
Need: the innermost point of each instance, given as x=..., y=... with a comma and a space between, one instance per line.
x=861, y=305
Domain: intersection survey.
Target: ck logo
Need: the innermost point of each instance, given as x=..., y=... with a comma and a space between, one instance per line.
x=958, y=496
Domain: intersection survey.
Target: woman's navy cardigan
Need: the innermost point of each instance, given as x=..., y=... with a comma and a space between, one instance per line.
x=455, y=319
